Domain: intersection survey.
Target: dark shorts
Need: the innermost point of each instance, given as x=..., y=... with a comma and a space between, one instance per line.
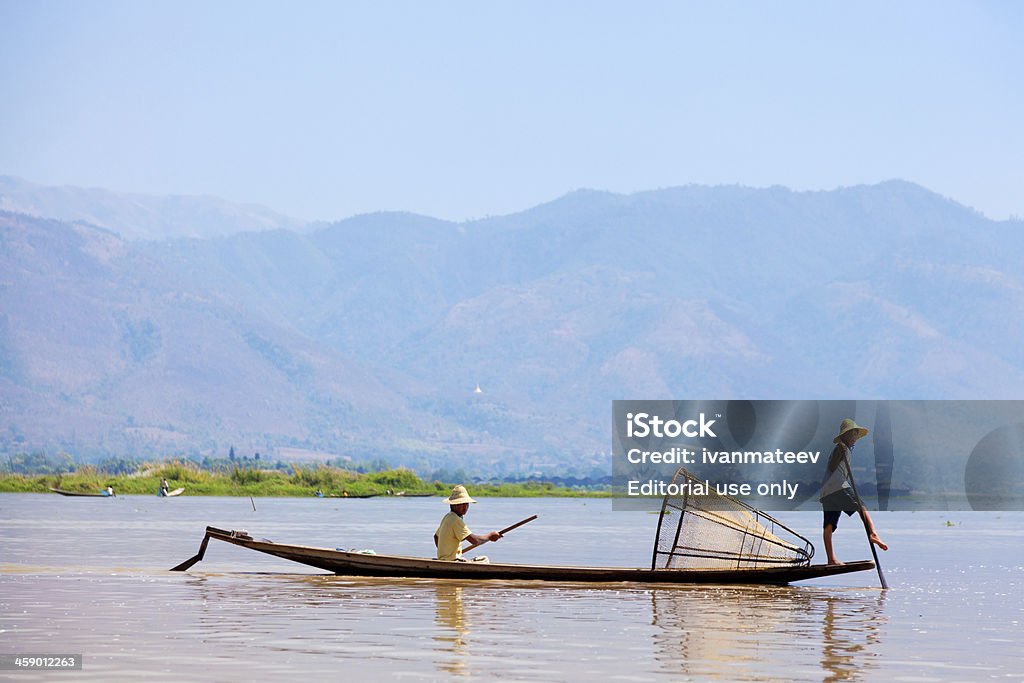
x=834, y=504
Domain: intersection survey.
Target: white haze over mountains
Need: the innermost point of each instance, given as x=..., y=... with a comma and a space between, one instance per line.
x=367, y=337
x=137, y=216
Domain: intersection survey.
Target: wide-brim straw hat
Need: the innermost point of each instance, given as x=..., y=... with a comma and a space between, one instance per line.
x=849, y=425
x=459, y=496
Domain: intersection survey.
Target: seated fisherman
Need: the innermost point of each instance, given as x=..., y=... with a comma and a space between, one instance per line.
x=453, y=530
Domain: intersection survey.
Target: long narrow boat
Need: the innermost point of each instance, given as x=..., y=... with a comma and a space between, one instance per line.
x=365, y=495
x=79, y=494
x=358, y=564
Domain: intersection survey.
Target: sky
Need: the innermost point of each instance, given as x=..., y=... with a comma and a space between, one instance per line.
x=461, y=110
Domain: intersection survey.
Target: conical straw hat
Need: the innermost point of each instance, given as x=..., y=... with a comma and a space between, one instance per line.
x=459, y=496
x=849, y=425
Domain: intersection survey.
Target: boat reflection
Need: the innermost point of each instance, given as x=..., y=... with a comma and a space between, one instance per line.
x=466, y=629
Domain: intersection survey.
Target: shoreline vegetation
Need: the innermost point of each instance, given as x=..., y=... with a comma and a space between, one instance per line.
x=301, y=482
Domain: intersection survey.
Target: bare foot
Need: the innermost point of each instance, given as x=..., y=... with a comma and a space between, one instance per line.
x=877, y=541
x=833, y=560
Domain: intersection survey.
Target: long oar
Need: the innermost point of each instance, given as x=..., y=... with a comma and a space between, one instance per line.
x=502, y=532
x=867, y=531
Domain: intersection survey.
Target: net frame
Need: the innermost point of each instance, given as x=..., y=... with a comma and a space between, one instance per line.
x=759, y=534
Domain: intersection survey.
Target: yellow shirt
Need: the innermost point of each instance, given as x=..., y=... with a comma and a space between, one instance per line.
x=450, y=534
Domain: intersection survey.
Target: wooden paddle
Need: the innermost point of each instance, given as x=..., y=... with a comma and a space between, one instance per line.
x=874, y=553
x=502, y=532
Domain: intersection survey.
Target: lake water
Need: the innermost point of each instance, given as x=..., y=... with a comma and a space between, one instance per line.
x=89, y=576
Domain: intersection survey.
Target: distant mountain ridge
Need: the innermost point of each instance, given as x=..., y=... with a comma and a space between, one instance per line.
x=138, y=216
x=366, y=337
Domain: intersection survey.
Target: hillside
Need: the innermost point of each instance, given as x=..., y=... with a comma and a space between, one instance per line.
x=137, y=216
x=370, y=334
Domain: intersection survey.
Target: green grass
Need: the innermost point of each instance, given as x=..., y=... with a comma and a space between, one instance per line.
x=240, y=481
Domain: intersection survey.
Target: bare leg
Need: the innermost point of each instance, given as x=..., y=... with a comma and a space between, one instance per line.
x=827, y=537
x=872, y=534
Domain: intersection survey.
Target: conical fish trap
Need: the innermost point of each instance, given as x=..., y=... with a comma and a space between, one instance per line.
x=714, y=531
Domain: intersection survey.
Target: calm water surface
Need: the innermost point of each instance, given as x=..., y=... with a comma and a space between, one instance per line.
x=90, y=576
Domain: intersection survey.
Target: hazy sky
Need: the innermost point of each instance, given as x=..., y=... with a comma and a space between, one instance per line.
x=457, y=110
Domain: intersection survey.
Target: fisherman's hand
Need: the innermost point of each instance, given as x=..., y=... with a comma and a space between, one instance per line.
x=494, y=536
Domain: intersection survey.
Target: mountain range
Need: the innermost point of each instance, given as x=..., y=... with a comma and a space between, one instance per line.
x=138, y=216
x=148, y=327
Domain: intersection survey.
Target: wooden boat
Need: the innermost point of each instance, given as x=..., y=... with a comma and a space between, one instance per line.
x=359, y=564
x=365, y=495
x=175, y=492
x=79, y=494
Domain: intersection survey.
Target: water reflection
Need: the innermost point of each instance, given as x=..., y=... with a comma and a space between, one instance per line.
x=735, y=633
x=722, y=632
x=852, y=628
x=62, y=579
x=452, y=630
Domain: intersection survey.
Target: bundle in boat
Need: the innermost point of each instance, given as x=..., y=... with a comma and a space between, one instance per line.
x=715, y=531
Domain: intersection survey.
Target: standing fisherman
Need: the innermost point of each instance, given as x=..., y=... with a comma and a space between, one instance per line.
x=837, y=495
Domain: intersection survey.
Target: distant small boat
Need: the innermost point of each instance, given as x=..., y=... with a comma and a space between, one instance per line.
x=175, y=492
x=403, y=494
x=79, y=494
x=367, y=495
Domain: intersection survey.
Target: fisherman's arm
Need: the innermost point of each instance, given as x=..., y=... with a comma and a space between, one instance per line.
x=475, y=539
